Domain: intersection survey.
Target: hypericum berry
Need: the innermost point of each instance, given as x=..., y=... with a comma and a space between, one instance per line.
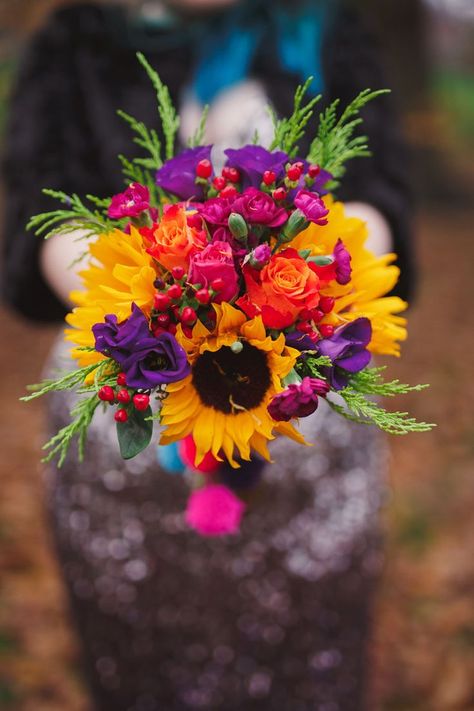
x=269, y=177
x=219, y=182
x=141, y=401
x=121, y=415
x=314, y=336
x=177, y=273
x=161, y=302
x=304, y=327
x=294, y=172
x=106, y=394
x=204, y=169
x=228, y=192
x=188, y=316
x=159, y=283
x=326, y=304
x=123, y=396
x=121, y=379
x=279, y=194
x=175, y=291
x=317, y=315
x=188, y=331
x=300, y=165
x=314, y=171
x=203, y=296
x=194, y=221
x=326, y=330
x=217, y=284
x=172, y=328
x=231, y=174
x=163, y=320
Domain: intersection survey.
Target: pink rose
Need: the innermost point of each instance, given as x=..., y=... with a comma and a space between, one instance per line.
x=258, y=208
x=215, y=261
x=214, y=511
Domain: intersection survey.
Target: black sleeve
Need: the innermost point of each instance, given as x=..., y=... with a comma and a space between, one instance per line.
x=352, y=63
x=34, y=158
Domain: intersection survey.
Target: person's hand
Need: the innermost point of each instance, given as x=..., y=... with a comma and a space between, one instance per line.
x=380, y=239
x=59, y=265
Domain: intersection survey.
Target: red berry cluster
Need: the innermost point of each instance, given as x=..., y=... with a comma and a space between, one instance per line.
x=224, y=184
x=123, y=395
x=176, y=302
x=293, y=173
x=309, y=320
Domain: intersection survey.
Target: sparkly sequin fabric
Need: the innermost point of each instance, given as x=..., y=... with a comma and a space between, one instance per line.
x=274, y=619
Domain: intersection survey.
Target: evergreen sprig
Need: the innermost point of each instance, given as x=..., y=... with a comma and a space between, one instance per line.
x=81, y=414
x=335, y=142
x=288, y=131
x=169, y=118
x=105, y=373
x=360, y=408
x=368, y=412
x=76, y=215
x=198, y=137
x=75, y=378
x=311, y=365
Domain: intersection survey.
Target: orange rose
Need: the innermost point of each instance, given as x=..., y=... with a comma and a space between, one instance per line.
x=281, y=290
x=173, y=241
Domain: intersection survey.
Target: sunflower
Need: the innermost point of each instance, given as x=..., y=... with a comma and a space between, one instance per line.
x=372, y=277
x=236, y=371
x=120, y=273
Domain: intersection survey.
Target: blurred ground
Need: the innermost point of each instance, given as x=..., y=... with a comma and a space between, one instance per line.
x=423, y=647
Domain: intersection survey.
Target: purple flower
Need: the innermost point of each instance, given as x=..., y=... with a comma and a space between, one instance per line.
x=347, y=349
x=298, y=400
x=178, y=175
x=134, y=200
x=343, y=263
x=258, y=208
x=300, y=341
x=312, y=207
x=147, y=360
x=252, y=162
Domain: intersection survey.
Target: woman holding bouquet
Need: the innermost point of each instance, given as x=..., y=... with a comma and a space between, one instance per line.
x=279, y=616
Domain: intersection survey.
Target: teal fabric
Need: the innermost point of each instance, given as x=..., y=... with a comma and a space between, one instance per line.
x=229, y=44
x=226, y=44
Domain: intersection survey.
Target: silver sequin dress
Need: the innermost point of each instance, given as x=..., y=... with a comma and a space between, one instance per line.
x=274, y=619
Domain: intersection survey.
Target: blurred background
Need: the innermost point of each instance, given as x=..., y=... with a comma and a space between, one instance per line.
x=423, y=645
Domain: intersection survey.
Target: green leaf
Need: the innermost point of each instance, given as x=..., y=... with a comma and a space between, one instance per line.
x=135, y=434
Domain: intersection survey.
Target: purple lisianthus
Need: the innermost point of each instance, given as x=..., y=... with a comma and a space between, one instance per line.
x=252, y=162
x=298, y=400
x=259, y=208
x=312, y=207
x=147, y=360
x=300, y=341
x=343, y=263
x=178, y=175
x=133, y=201
x=347, y=349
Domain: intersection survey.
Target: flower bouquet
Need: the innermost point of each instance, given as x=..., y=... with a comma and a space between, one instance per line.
x=225, y=303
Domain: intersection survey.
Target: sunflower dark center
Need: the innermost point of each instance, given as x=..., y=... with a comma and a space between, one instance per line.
x=228, y=381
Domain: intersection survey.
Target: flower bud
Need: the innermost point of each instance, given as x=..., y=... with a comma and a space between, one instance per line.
x=260, y=256
x=238, y=226
x=296, y=224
